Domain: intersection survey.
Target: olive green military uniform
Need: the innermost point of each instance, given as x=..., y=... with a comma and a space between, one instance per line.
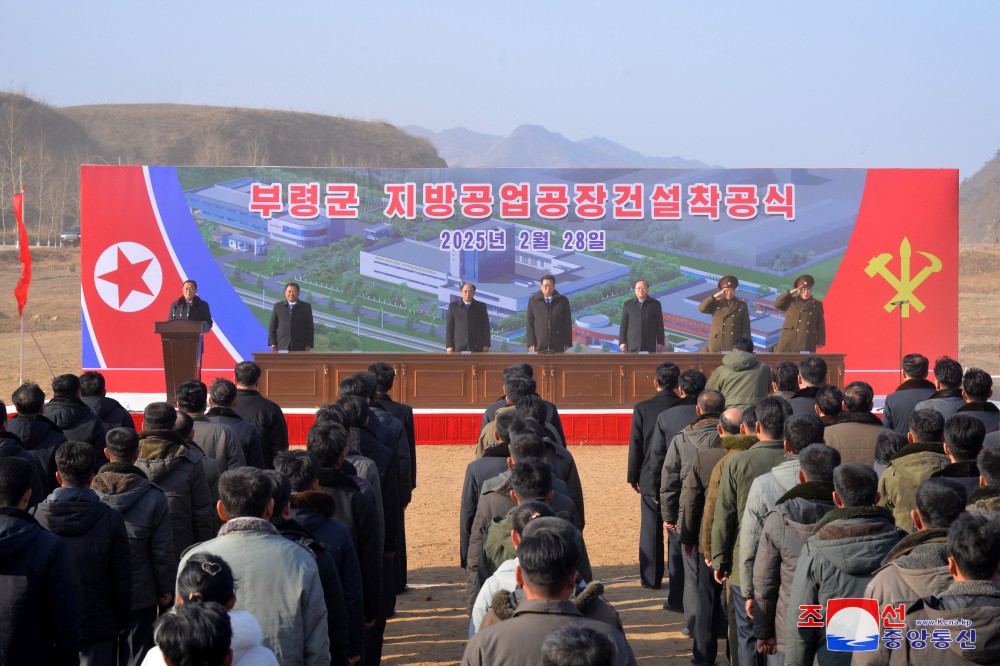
x=730, y=320
x=804, y=328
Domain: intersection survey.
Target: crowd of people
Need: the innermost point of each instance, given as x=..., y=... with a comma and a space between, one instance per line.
x=779, y=493
x=201, y=538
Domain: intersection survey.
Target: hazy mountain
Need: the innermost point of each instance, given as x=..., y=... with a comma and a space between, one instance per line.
x=535, y=146
x=979, y=205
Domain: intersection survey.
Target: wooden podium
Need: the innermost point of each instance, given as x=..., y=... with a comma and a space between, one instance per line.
x=182, y=345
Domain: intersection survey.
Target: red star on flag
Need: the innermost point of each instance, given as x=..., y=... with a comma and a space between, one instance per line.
x=128, y=277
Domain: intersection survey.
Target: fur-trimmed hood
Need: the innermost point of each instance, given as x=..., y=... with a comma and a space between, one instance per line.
x=865, y=418
x=912, y=551
x=738, y=442
x=912, y=383
x=315, y=501
x=584, y=598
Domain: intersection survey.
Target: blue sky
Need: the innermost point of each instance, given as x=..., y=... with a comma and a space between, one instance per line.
x=739, y=84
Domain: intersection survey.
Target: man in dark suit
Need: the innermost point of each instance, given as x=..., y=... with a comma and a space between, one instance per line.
x=291, y=324
x=549, y=325
x=644, y=479
x=468, y=324
x=642, y=322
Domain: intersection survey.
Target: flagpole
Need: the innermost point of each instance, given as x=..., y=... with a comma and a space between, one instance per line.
x=24, y=255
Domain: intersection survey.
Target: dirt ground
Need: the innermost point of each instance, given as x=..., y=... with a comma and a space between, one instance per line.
x=430, y=626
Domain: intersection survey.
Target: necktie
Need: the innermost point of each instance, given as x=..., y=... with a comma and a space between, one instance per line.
x=548, y=301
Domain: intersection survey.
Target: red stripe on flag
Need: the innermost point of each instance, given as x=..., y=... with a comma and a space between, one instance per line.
x=21, y=290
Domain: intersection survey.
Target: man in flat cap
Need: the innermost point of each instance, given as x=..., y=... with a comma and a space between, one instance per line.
x=804, y=328
x=730, y=315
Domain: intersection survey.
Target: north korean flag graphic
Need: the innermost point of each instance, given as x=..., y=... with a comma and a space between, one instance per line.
x=139, y=242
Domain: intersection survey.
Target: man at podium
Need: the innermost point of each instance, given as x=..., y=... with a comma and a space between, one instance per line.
x=190, y=306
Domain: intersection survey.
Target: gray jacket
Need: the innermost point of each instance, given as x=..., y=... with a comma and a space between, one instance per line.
x=786, y=529
x=764, y=493
x=287, y=600
x=701, y=435
x=836, y=562
x=144, y=507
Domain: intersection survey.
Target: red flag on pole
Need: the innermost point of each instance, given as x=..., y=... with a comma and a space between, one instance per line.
x=21, y=290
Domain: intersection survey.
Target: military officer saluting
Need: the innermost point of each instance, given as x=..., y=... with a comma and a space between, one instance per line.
x=730, y=315
x=804, y=328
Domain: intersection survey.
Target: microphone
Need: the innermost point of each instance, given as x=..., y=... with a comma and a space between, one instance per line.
x=899, y=303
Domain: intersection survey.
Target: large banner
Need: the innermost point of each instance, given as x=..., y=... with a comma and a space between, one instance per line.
x=379, y=253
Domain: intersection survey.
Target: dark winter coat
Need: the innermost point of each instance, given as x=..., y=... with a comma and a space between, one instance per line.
x=986, y=412
x=79, y=424
x=39, y=622
x=246, y=433
x=668, y=423
x=179, y=469
x=10, y=447
x=900, y=403
x=357, y=513
x=803, y=401
x=269, y=420
x=197, y=311
x=144, y=507
x=343, y=643
x=314, y=512
x=97, y=540
x=110, y=411
x=40, y=437
x=493, y=462
x=291, y=329
x=404, y=413
x=640, y=440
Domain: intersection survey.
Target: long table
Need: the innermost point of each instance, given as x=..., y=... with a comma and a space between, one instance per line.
x=586, y=381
